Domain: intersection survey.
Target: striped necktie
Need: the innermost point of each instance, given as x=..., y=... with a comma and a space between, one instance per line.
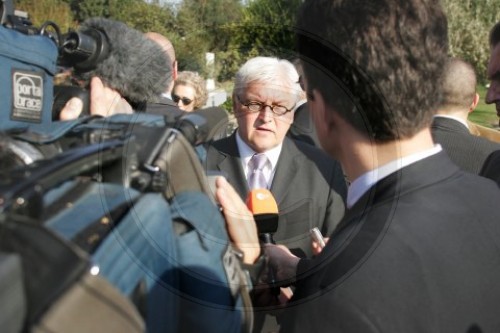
x=256, y=177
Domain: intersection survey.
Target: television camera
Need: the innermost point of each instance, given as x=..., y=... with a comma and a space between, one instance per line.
x=120, y=162
x=126, y=149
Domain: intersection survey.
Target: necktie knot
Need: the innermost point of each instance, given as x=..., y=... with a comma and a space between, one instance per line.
x=256, y=177
x=258, y=161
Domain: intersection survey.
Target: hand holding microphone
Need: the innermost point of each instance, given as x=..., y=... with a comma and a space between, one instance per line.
x=265, y=212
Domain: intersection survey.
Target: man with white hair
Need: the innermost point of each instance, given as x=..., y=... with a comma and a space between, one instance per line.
x=309, y=186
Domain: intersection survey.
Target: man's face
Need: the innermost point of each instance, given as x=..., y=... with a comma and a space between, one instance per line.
x=263, y=130
x=493, y=72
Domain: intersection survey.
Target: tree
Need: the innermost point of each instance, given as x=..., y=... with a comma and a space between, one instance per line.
x=84, y=9
x=39, y=12
x=267, y=27
x=469, y=23
x=203, y=27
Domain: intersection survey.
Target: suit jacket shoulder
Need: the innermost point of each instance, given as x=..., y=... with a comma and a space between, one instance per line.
x=491, y=168
x=402, y=255
x=302, y=128
x=469, y=152
x=165, y=107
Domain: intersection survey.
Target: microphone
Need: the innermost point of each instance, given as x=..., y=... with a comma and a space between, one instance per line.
x=203, y=125
x=264, y=208
x=127, y=61
x=265, y=212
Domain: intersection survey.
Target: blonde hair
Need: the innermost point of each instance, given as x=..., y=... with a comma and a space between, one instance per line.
x=194, y=80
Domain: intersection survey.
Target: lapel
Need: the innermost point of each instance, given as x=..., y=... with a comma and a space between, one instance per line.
x=229, y=163
x=287, y=168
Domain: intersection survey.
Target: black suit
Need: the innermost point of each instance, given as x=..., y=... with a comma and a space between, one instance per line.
x=166, y=107
x=302, y=128
x=491, y=168
x=468, y=151
x=420, y=252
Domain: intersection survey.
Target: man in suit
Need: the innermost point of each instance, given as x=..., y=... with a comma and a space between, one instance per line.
x=450, y=128
x=419, y=247
x=165, y=106
x=493, y=69
x=308, y=185
x=491, y=168
x=302, y=128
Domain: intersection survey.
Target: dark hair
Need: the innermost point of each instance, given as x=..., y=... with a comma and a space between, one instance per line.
x=495, y=35
x=375, y=62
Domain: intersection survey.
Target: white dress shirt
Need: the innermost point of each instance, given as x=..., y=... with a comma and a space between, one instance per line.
x=364, y=182
x=246, y=154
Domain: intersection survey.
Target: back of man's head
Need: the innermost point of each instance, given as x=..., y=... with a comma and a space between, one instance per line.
x=458, y=87
x=375, y=62
x=167, y=46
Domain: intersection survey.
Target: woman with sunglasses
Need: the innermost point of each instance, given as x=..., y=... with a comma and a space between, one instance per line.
x=189, y=92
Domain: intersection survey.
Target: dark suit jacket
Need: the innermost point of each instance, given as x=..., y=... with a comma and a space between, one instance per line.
x=166, y=107
x=302, y=128
x=420, y=252
x=468, y=151
x=308, y=186
x=491, y=168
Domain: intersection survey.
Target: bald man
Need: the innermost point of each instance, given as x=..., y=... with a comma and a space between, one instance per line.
x=165, y=106
x=450, y=127
x=167, y=46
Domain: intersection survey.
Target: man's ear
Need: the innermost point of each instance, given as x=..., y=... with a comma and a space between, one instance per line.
x=175, y=72
x=234, y=101
x=475, y=101
x=321, y=113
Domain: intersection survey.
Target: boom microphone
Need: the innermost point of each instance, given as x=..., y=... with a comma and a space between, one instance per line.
x=127, y=61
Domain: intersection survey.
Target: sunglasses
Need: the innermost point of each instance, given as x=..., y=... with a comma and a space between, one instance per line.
x=185, y=100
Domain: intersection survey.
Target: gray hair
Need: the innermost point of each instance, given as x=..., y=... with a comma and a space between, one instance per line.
x=273, y=71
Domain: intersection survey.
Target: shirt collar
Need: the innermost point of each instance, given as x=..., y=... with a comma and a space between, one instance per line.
x=246, y=152
x=364, y=182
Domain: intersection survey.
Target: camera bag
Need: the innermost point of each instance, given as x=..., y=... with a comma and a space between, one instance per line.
x=27, y=69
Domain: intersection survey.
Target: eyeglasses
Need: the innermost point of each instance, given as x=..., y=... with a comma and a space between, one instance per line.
x=185, y=100
x=255, y=106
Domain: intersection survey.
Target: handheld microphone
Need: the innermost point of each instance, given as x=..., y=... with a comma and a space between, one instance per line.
x=264, y=208
x=265, y=212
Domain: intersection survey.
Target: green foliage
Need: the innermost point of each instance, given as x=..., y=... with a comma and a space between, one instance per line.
x=39, y=12
x=469, y=23
x=146, y=17
x=236, y=32
x=484, y=114
x=267, y=27
x=203, y=27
